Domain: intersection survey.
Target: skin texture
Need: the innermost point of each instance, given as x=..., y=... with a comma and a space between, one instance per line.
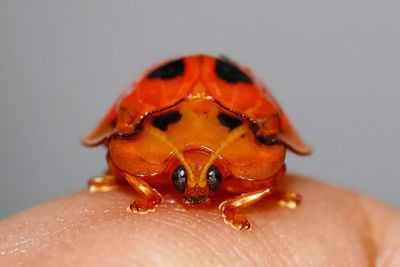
x=331, y=227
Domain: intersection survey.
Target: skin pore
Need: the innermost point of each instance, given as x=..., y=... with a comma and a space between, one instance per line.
x=331, y=227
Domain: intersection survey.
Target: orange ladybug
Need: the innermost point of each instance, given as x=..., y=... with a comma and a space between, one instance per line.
x=200, y=124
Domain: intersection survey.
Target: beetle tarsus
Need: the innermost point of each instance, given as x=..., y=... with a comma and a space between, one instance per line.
x=151, y=198
x=142, y=206
x=237, y=221
x=287, y=199
x=230, y=207
x=102, y=183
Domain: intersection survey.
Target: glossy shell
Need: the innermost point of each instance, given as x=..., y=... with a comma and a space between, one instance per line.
x=228, y=84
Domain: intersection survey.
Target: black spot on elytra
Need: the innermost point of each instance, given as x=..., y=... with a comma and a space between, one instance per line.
x=162, y=121
x=230, y=73
x=229, y=121
x=168, y=71
x=268, y=140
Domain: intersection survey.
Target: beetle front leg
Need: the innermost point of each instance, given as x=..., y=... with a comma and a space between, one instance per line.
x=107, y=182
x=150, y=197
x=230, y=207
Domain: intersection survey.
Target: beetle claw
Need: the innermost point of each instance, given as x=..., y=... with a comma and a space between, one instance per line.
x=142, y=206
x=237, y=221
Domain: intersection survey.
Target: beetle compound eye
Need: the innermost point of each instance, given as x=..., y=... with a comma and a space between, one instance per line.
x=179, y=179
x=214, y=178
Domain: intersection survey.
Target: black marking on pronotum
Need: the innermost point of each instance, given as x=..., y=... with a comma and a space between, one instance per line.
x=229, y=121
x=254, y=127
x=162, y=121
x=230, y=73
x=138, y=127
x=237, y=113
x=268, y=140
x=168, y=71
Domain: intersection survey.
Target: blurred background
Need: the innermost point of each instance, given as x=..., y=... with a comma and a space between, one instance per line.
x=333, y=65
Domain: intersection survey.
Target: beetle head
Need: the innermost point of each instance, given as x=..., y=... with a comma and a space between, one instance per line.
x=197, y=179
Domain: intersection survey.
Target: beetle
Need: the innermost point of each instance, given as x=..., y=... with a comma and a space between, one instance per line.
x=200, y=124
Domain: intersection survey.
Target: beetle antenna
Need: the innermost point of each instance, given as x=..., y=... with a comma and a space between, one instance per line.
x=163, y=138
x=232, y=136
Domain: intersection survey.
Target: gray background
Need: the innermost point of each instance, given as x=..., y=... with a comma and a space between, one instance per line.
x=333, y=65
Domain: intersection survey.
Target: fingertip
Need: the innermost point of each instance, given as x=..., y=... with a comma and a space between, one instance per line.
x=94, y=228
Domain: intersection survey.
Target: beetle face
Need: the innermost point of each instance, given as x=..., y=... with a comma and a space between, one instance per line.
x=196, y=195
x=193, y=181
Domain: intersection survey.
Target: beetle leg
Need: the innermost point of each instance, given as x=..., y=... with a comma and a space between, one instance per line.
x=287, y=199
x=107, y=182
x=103, y=183
x=230, y=207
x=151, y=198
